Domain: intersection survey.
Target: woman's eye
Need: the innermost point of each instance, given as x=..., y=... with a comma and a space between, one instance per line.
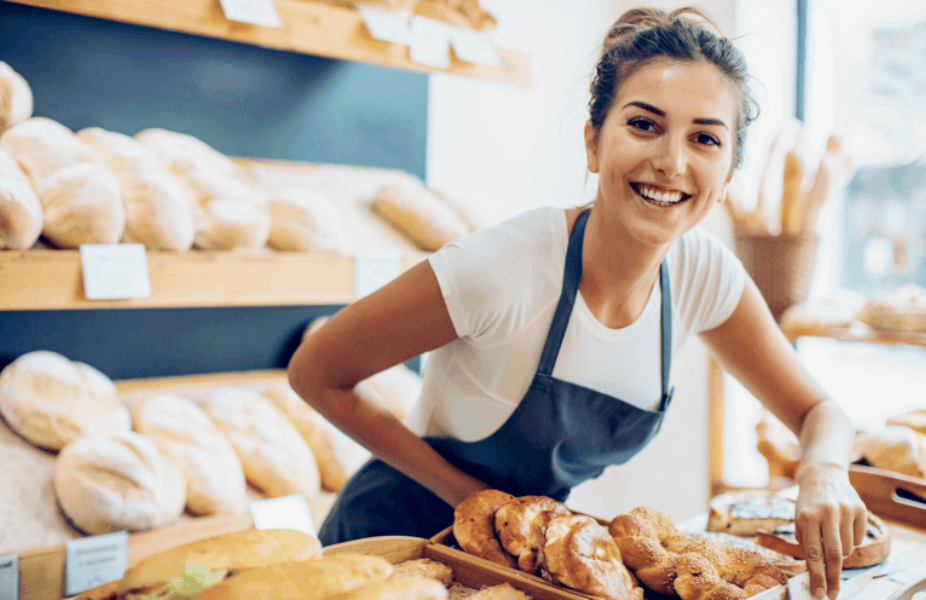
x=641, y=124
x=707, y=139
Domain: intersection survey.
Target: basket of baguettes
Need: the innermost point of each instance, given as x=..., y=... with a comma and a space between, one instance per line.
x=173, y=192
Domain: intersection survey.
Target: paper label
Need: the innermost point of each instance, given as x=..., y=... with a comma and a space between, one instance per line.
x=474, y=47
x=255, y=12
x=115, y=271
x=285, y=512
x=430, y=42
x=387, y=25
x=95, y=560
x=374, y=268
x=9, y=577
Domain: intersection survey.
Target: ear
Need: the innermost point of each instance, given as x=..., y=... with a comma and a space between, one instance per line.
x=591, y=147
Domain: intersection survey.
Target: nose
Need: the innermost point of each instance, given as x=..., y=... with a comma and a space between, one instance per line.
x=669, y=157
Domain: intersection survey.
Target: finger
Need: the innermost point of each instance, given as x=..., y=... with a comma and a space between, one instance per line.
x=811, y=540
x=832, y=554
x=860, y=526
x=847, y=533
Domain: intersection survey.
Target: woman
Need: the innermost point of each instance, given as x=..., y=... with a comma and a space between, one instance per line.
x=551, y=334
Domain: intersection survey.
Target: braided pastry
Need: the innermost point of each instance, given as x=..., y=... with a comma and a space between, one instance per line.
x=580, y=554
x=712, y=571
x=650, y=545
x=521, y=525
x=474, y=526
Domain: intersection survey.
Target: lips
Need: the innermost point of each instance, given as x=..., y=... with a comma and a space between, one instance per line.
x=658, y=196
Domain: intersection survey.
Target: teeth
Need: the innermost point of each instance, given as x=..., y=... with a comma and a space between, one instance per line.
x=658, y=196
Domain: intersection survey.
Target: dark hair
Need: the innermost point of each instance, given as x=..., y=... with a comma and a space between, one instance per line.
x=642, y=36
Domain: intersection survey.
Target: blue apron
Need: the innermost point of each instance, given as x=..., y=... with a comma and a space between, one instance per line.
x=560, y=435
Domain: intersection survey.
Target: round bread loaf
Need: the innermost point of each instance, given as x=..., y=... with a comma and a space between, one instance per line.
x=52, y=401
x=304, y=220
x=897, y=448
x=15, y=97
x=276, y=459
x=111, y=483
x=158, y=212
x=182, y=432
x=20, y=209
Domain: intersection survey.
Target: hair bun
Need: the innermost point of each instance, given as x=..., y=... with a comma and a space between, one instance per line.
x=636, y=19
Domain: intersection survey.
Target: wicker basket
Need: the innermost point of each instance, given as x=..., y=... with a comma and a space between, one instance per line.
x=781, y=265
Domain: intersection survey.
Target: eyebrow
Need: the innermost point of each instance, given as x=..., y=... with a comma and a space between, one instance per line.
x=661, y=113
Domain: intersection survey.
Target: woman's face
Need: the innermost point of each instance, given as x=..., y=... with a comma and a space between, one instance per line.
x=665, y=150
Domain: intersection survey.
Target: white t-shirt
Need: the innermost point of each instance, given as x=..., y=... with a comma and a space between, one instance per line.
x=501, y=285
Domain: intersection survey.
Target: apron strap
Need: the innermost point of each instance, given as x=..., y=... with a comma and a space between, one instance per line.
x=571, y=276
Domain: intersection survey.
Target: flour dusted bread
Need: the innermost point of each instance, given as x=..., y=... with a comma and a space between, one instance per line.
x=182, y=432
x=51, y=401
x=338, y=456
x=304, y=220
x=158, y=212
x=419, y=214
x=81, y=200
x=897, y=448
x=749, y=511
x=276, y=459
x=15, y=97
x=108, y=483
x=230, y=212
x=20, y=209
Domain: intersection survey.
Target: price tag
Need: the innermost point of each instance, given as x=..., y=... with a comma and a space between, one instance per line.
x=387, y=25
x=285, y=512
x=115, y=271
x=374, y=268
x=255, y=12
x=9, y=577
x=474, y=47
x=95, y=560
x=430, y=43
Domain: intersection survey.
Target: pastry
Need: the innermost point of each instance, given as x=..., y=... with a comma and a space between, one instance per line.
x=474, y=526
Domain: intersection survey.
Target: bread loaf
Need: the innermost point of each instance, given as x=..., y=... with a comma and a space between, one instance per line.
x=275, y=458
x=81, y=200
x=338, y=456
x=902, y=310
x=899, y=449
x=303, y=220
x=52, y=401
x=229, y=211
x=158, y=212
x=419, y=214
x=20, y=210
x=115, y=482
x=15, y=97
x=914, y=419
x=182, y=432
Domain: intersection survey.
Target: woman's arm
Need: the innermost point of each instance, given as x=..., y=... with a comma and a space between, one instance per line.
x=400, y=321
x=830, y=517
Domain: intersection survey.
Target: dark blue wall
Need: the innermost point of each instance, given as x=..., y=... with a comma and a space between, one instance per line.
x=244, y=101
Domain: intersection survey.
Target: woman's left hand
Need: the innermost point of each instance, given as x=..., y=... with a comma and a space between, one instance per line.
x=830, y=521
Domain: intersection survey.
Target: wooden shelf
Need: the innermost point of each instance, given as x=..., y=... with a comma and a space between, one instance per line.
x=859, y=332
x=52, y=280
x=306, y=27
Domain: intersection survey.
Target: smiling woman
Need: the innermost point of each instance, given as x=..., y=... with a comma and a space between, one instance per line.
x=551, y=334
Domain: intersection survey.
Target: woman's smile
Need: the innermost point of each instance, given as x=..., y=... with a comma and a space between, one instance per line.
x=659, y=197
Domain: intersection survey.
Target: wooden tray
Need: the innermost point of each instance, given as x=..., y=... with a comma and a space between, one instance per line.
x=891, y=496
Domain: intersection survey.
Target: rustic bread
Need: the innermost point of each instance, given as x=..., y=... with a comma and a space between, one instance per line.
x=418, y=213
x=20, y=209
x=746, y=512
x=474, y=526
x=897, y=448
x=182, y=432
x=230, y=212
x=407, y=588
x=306, y=221
x=902, y=310
x=108, y=483
x=914, y=419
x=276, y=459
x=51, y=401
x=81, y=200
x=15, y=97
x=424, y=567
x=158, y=212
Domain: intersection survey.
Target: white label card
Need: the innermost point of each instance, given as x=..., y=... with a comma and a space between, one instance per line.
x=115, y=271
x=474, y=47
x=374, y=268
x=9, y=577
x=387, y=25
x=95, y=560
x=255, y=12
x=285, y=512
x=430, y=43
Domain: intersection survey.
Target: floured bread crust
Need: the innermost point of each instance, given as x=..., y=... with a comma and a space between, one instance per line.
x=15, y=97
x=20, y=209
x=747, y=512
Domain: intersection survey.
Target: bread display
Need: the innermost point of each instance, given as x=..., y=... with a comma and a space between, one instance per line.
x=51, y=401
x=15, y=97
x=81, y=200
x=116, y=482
x=303, y=220
x=230, y=212
x=419, y=214
x=276, y=459
x=20, y=209
x=182, y=432
x=158, y=212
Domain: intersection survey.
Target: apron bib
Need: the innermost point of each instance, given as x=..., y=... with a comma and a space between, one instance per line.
x=560, y=435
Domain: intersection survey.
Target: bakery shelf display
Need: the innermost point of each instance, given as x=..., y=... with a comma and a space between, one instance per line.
x=306, y=27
